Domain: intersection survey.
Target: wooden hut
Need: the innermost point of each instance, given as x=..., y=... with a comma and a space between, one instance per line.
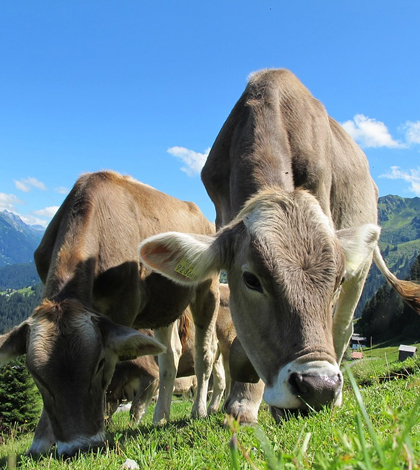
x=406, y=351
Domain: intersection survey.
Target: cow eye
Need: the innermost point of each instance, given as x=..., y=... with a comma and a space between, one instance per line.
x=251, y=281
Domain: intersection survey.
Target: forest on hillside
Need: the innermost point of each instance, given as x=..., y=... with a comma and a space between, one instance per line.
x=16, y=306
x=18, y=276
x=387, y=317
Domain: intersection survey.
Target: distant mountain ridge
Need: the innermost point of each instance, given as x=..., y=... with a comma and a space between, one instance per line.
x=400, y=244
x=18, y=240
x=399, y=218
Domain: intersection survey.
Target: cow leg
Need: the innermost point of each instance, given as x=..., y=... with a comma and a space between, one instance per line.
x=244, y=401
x=44, y=437
x=346, y=305
x=168, y=367
x=143, y=398
x=204, y=310
x=219, y=385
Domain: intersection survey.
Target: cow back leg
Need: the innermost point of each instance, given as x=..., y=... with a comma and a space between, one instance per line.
x=219, y=385
x=147, y=390
x=346, y=305
x=168, y=367
x=204, y=309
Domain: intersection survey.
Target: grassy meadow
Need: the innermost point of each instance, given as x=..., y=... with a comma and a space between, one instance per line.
x=377, y=427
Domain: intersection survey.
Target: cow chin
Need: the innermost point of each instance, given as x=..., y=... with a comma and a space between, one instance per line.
x=80, y=444
x=305, y=386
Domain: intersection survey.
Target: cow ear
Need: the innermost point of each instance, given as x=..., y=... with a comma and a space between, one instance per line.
x=358, y=244
x=184, y=258
x=13, y=344
x=128, y=343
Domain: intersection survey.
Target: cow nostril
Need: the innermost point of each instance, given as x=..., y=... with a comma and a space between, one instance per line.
x=315, y=390
x=297, y=383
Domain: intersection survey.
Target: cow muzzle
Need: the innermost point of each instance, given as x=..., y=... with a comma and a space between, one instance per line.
x=306, y=386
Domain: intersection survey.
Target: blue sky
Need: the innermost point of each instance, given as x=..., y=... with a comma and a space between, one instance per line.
x=143, y=87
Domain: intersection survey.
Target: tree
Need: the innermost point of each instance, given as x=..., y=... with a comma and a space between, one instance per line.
x=20, y=402
x=386, y=316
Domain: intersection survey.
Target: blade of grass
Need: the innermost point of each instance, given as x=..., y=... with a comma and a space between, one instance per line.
x=362, y=439
x=365, y=416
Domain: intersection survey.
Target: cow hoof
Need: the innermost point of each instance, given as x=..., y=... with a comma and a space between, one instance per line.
x=160, y=422
x=197, y=414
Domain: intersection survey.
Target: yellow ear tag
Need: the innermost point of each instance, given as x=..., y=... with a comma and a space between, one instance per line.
x=186, y=269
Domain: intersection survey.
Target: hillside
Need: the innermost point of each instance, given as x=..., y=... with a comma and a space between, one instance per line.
x=400, y=241
x=17, y=306
x=17, y=276
x=17, y=239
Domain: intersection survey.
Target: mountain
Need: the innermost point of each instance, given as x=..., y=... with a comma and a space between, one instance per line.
x=399, y=242
x=17, y=239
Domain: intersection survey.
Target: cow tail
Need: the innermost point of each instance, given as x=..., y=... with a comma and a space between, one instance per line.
x=409, y=291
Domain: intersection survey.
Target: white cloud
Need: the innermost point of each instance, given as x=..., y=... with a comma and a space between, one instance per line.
x=194, y=161
x=47, y=212
x=62, y=190
x=370, y=133
x=31, y=220
x=8, y=202
x=22, y=186
x=412, y=176
x=412, y=130
x=26, y=184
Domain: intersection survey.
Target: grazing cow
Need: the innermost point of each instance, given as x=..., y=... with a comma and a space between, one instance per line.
x=137, y=380
x=296, y=217
x=88, y=262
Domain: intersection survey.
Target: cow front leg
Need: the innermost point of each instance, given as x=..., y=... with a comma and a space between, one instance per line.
x=244, y=400
x=44, y=437
x=168, y=367
x=204, y=308
x=343, y=318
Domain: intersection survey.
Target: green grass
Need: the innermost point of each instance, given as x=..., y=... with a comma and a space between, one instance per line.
x=375, y=428
x=23, y=291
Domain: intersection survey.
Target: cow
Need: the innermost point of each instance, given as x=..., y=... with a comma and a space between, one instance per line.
x=95, y=291
x=296, y=219
x=137, y=380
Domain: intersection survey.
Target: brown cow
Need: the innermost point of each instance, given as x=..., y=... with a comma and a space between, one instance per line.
x=297, y=213
x=88, y=262
x=138, y=380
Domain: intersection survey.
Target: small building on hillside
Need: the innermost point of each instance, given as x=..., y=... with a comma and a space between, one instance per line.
x=355, y=355
x=357, y=341
x=406, y=351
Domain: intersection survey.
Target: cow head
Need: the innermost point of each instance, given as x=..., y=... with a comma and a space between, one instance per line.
x=285, y=266
x=71, y=354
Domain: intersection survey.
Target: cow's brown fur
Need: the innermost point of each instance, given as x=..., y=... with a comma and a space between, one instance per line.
x=88, y=262
x=295, y=206
x=278, y=135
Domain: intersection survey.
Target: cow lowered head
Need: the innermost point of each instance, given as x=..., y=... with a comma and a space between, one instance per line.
x=70, y=348
x=285, y=264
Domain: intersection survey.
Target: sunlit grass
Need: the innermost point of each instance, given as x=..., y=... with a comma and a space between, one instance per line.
x=376, y=427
